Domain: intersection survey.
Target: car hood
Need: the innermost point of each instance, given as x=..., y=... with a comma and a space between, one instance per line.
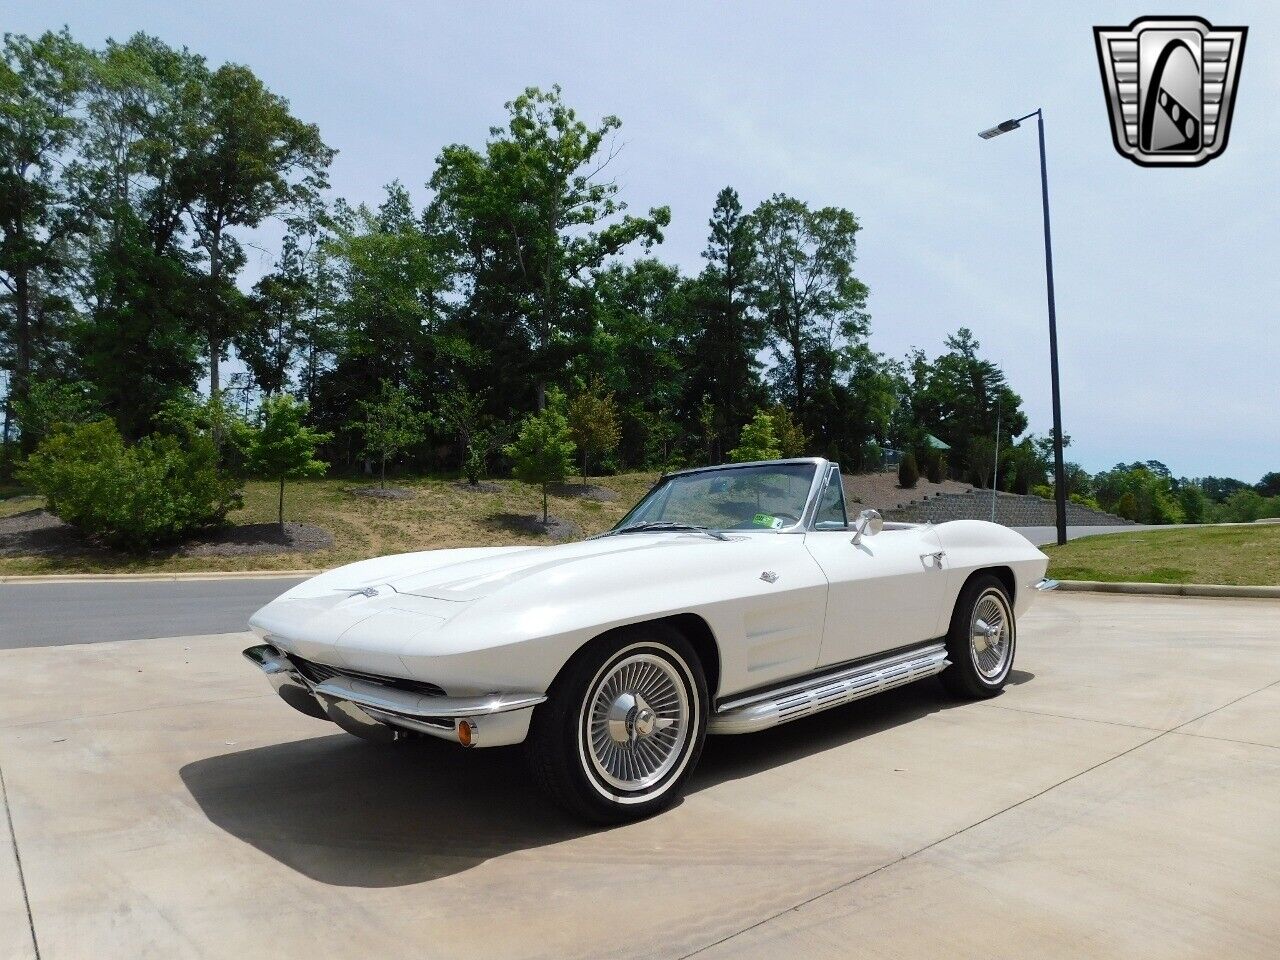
x=478, y=577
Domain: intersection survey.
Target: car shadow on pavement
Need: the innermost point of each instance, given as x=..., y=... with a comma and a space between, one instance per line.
x=357, y=814
x=732, y=758
x=350, y=813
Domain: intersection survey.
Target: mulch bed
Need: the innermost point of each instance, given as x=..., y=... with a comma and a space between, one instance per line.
x=38, y=533
x=484, y=486
x=257, y=538
x=383, y=493
x=587, y=491
x=554, y=529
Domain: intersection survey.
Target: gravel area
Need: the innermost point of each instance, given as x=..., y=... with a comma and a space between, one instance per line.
x=880, y=491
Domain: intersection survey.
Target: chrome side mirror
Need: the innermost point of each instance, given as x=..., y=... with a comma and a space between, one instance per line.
x=869, y=524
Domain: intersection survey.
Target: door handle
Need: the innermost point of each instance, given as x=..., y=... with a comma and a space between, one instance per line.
x=935, y=556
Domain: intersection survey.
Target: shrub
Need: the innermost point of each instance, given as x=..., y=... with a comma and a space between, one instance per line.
x=758, y=441
x=593, y=423
x=1127, y=506
x=935, y=466
x=132, y=497
x=908, y=472
x=1084, y=501
x=790, y=435
x=1044, y=491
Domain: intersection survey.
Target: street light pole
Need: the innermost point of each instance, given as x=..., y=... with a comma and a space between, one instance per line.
x=1059, y=467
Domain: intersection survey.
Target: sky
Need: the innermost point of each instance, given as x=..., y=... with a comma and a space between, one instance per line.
x=1167, y=279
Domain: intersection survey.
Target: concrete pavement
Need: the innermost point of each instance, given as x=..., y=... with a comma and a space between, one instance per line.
x=1121, y=799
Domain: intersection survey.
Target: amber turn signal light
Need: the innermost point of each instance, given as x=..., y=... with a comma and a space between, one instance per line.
x=466, y=733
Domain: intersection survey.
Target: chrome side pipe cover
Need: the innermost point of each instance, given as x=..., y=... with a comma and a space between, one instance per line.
x=813, y=695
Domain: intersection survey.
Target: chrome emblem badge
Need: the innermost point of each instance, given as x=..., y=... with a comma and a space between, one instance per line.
x=368, y=592
x=1170, y=84
x=769, y=576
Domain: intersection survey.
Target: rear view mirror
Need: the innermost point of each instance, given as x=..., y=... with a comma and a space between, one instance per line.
x=869, y=524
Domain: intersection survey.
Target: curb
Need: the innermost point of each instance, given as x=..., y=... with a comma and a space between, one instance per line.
x=1172, y=589
x=158, y=577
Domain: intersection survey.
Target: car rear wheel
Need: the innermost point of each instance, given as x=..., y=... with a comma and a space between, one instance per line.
x=623, y=727
x=982, y=639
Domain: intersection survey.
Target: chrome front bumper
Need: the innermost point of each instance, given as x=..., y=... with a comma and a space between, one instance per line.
x=1045, y=584
x=379, y=711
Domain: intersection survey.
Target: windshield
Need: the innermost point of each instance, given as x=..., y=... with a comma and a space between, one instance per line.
x=766, y=497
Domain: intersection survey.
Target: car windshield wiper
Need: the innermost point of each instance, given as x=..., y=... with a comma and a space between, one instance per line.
x=669, y=525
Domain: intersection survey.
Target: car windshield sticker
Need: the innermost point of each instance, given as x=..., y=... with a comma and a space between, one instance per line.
x=765, y=520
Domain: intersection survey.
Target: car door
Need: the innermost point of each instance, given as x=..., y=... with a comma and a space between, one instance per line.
x=885, y=592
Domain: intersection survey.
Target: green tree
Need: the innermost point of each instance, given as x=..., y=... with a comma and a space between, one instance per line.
x=286, y=324
x=284, y=448
x=981, y=457
x=246, y=158
x=960, y=396
x=1269, y=485
x=542, y=452
x=1126, y=506
x=390, y=310
x=758, y=440
x=804, y=289
x=43, y=85
x=50, y=403
x=1194, y=504
x=193, y=419
x=1139, y=491
x=725, y=337
x=639, y=349
x=138, y=342
x=533, y=217
x=390, y=423
x=592, y=417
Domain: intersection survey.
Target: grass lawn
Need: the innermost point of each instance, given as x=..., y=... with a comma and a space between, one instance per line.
x=441, y=515
x=1246, y=554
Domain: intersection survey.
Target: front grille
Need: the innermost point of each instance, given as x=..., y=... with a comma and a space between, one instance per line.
x=317, y=673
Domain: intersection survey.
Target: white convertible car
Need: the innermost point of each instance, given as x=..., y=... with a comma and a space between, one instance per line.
x=729, y=600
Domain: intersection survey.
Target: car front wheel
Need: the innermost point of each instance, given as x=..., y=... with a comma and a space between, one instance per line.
x=623, y=727
x=982, y=639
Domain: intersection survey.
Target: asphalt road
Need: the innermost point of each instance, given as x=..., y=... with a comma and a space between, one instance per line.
x=51, y=614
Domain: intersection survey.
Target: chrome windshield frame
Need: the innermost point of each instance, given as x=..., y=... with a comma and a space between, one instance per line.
x=822, y=471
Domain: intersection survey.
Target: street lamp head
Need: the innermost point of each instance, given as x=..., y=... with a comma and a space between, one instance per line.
x=999, y=128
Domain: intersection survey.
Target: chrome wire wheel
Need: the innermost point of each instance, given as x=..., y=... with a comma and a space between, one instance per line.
x=636, y=720
x=991, y=635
